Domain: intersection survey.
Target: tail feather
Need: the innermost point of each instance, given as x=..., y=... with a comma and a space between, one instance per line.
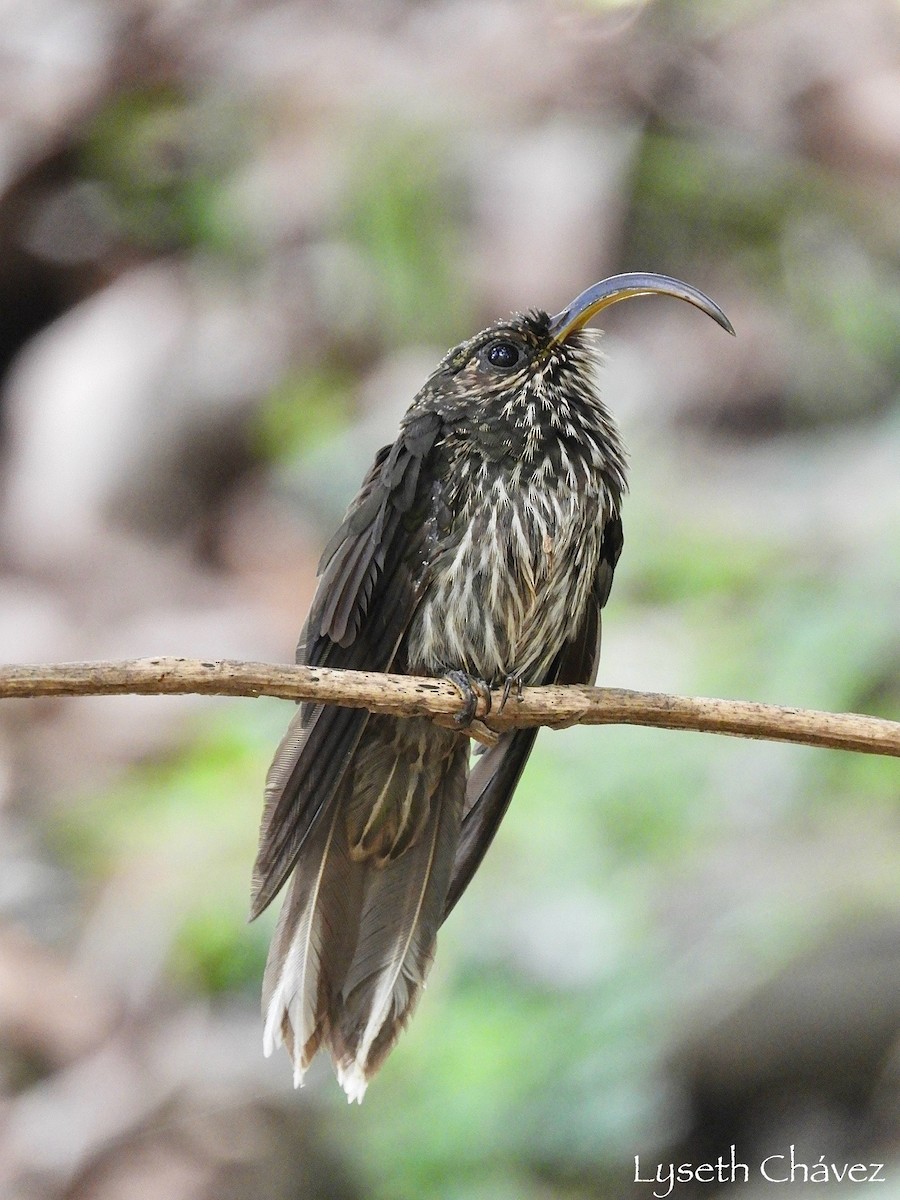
x=307, y=771
x=357, y=931
x=313, y=944
x=403, y=908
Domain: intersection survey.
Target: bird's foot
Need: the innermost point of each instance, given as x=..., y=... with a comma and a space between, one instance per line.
x=510, y=683
x=471, y=690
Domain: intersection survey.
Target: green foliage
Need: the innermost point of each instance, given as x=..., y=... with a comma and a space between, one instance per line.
x=805, y=239
x=690, y=191
x=403, y=211
x=163, y=161
x=189, y=825
x=303, y=411
x=501, y=1075
x=215, y=953
x=687, y=564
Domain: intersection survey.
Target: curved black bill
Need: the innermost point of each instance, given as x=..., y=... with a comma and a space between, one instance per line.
x=622, y=287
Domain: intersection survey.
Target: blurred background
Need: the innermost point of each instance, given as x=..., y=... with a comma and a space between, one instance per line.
x=235, y=237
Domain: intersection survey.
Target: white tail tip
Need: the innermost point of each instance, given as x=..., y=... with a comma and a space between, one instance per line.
x=272, y=1038
x=353, y=1081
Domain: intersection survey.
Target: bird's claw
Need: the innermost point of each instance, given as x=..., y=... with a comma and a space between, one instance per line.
x=471, y=690
x=509, y=683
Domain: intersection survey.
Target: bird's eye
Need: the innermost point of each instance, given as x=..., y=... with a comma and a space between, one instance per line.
x=503, y=355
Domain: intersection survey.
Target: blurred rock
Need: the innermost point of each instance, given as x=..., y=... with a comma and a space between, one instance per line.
x=130, y=411
x=550, y=206
x=271, y=555
x=854, y=125
x=798, y=48
x=128, y=1122
x=49, y=1014
x=745, y=1071
x=232, y=1151
x=55, y=57
x=35, y=625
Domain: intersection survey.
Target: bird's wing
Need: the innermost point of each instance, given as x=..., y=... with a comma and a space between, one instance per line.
x=370, y=579
x=493, y=779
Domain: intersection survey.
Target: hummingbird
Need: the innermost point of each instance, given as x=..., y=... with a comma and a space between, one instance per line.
x=481, y=547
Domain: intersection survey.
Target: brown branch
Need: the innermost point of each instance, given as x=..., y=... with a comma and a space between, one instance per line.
x=408, y=696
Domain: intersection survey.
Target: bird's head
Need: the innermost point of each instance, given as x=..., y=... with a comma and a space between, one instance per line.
x=525, y=391
x=533, y=352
